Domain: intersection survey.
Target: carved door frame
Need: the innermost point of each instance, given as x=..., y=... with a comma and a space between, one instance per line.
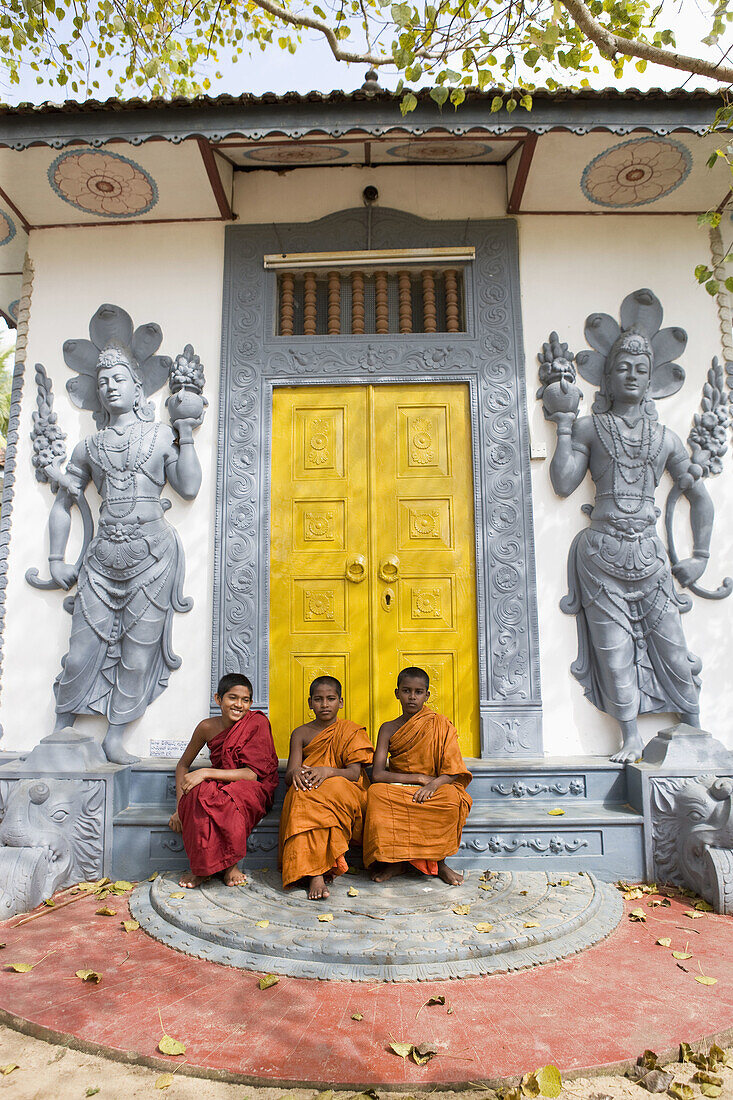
x=488, y=356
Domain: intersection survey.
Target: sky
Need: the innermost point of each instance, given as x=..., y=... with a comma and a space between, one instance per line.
x=313, y=67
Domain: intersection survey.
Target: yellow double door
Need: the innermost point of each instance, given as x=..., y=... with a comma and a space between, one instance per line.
x=372, y=556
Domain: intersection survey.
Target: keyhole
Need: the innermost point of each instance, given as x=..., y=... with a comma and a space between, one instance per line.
x=388, y=598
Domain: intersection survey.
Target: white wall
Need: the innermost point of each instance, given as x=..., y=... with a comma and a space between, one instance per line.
x=570, y=267
x=172, y=275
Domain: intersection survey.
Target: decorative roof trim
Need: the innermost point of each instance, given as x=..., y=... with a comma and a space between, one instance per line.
x=337, y=114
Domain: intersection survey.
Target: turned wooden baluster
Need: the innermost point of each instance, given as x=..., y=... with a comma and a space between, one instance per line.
x=451, y=301
x=334, y=303
x=357, y=303
x=287, y=309
x=430, y=317
x=381, y=307
x=405, y=289
x=309, y=304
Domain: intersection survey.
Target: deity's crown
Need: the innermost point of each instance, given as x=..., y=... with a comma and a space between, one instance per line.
x=632, y=341
x=114, y=356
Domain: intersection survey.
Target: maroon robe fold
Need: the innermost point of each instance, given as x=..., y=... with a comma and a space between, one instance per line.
x=217, y=817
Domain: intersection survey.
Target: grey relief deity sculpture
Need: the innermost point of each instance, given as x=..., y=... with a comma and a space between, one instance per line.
x=129, y=575
x=692, y=832
x=632, y=655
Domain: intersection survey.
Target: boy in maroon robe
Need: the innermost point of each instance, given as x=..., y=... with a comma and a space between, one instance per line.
x=218, y=807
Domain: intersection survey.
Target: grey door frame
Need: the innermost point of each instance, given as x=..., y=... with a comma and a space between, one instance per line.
x=488, y=357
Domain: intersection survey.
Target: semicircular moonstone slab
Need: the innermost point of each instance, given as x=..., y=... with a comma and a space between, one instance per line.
x=412, y=929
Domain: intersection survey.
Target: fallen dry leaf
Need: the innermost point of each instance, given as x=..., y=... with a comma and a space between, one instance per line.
x=531, y=924
x=262, y=924
x=49, y=902
x=122, y=886
x=637, y=914
x=358, y=1016
x=164, y=1081
x=325, y=917
x=105, y=911
x=89, y=976
x=167, y=1045
x=703, y=906
x=352, y=893
x=693, y=914
x=483, y=926
x=679, y=1090
x=461, y=910
x=8, y=1068
x=268, y=981
x=152, y=878
x=665, y=941
x=557, y=812
x=654, y=903
x=20, y=968
x=681, y=955
x=178, y=894
x=130, y=925
x=401, y=1049
x=704, y=980
x=656, y=1080
x=549, y=1080
x=422, y=1053
x=93, y=1090
x=633, y=895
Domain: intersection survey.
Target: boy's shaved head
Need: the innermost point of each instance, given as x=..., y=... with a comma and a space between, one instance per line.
x=414, y=673
x=325, y=681
x=233, y=679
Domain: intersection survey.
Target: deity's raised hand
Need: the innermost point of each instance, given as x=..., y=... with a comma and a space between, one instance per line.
x=560, y=399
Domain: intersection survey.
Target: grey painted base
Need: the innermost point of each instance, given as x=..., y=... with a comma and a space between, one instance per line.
x=405, y=930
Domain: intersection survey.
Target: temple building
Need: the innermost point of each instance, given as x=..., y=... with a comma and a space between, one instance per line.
x=367, y=296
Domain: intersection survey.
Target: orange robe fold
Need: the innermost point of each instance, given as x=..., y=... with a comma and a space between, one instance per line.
x=316, y=826
x=217, y=817
x=396, y=828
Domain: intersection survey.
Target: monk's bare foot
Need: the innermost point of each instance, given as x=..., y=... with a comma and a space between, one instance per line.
x=234, y=877
x=317, y=888
x=190, y=880
x=447, y=874
x=388, y=871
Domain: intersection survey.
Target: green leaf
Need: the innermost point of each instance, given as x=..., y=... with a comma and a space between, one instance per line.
x=408, y=103
x=268, y=981
x=439, y=95
x=496, y=104
x=549, y=1080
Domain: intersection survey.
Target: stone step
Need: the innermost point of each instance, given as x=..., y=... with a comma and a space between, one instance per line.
x=606, y=839
x=556, y=780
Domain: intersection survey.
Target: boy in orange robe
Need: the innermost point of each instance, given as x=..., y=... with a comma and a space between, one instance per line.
x=218, y=807
x=418, y=806
x=324, y=807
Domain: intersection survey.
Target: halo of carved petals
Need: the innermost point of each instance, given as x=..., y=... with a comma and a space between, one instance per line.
x=102, y=183
x=640, y=310
x=636, y=172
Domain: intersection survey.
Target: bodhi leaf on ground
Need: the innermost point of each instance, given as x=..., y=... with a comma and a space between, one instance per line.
x=557, y=812
x=422, y=1053
x=328, y=1095
x=268, y=981
x=325, y=917
x=402, y=1050
x=461, y=910
x=105, y=911
x=130, y=925
x=262, y=924
x=164, y=1081
x=549, y=1080
x=8, y=1068
x=665, y=941
x=93, y=1090
x=483, y=926
x=358, y=1016
x=703, y=979
x=637, y=914
x=91, y=976
x=352, y=892
x=20, y=968
x=681, y=955
x=656, y=1080
x=168, y=1045
x=178, y=894
x=680, y=1090
x=693, y=914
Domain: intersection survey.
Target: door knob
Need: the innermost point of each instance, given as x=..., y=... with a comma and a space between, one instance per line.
x=389, y=569
x=356, y=569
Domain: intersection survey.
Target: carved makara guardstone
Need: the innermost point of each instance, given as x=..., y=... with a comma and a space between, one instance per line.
x=692, y=834
x=632, y=655
x=129, y=576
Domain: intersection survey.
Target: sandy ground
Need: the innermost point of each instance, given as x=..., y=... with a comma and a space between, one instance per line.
x=49, y=1072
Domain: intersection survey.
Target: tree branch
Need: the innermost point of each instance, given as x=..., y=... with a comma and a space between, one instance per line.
x=612, y=44
x=326, y=31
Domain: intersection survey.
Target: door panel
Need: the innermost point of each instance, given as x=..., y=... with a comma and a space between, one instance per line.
x=422, y=459
x=372, y=551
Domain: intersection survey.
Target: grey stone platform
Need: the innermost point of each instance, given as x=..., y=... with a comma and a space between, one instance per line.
x=405, y=930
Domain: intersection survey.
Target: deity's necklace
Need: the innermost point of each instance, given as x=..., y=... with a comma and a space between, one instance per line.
x=632, y=461
x=122, y=477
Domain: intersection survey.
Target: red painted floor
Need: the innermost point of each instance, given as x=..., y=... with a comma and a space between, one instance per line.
x=601, y=1007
